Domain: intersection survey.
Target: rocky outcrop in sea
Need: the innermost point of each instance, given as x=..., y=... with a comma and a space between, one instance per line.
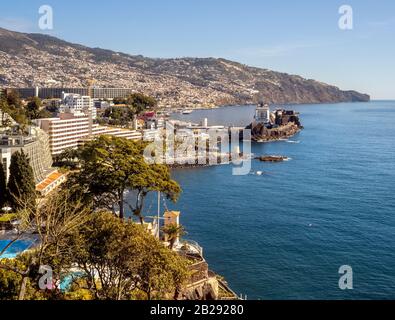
x=284, y=124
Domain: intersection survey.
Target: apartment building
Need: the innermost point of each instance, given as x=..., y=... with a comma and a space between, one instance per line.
x=71, y=129
x=72, y=102
x=65, y=131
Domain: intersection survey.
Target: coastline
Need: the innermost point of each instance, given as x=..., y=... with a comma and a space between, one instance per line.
x=272, y=213
x=220, y=106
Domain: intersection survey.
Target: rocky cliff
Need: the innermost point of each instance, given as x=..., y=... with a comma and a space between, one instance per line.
x=262, y=134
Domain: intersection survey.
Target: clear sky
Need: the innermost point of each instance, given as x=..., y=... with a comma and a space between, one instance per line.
x=300, y=37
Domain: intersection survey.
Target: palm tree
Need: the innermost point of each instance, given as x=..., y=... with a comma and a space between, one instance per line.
x=173, y=231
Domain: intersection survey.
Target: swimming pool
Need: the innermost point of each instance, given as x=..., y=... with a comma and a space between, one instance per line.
x=16, y=248
x=67, y=281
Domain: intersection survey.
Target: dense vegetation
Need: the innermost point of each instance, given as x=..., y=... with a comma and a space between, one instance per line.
x=21, y=188
x=86, y=251
x=115, y=259
x=125, y=110
x=12, y=105
x=3, y=186
x=109, y=166
x=22, y=113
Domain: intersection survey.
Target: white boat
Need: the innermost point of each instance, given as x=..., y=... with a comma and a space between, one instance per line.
x=187, y=111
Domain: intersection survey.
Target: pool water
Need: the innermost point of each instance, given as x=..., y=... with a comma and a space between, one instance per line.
x=67, y=281
x=16, y=248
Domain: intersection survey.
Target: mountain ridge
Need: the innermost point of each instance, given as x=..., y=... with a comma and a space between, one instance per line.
x=34, y=59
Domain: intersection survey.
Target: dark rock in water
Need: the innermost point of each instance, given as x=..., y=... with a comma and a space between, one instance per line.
x=271, y=158
x=261, y=133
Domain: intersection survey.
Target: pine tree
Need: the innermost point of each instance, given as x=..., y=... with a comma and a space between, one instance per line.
x=3, y=186
x=21, y=186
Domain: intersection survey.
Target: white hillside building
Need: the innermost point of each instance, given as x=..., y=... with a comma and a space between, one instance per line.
x=72, y=102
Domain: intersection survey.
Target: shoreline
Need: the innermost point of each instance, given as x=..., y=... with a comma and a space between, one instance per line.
x=175, y=110
x=279, y=138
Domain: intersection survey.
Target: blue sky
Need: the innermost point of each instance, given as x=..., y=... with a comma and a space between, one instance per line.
x=300, y=37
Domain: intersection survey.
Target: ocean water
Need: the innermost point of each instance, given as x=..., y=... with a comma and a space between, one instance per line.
x=285, y=234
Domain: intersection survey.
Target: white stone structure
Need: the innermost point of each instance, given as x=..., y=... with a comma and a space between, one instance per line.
x=262, y=114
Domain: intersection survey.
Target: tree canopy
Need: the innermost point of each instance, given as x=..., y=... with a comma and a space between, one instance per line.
x=12, y=105
x=114, y=258
x=111, y=166
x=173, y=231
x=21, y=186
x=132, y=106
x=13, y=99
x=3, y=186
x=119, y=116
x=35, y=109
x=54, y=222
x=138, y=101
x=121, y=260
x=106, y=257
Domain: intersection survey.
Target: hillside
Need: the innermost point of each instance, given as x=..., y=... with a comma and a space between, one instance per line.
x=42, y=60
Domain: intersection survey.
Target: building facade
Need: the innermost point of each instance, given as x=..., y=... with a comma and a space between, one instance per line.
x=35, y=145
x=96, y=93
x=72, y=102
x=65, y=131
x=262, y=114
x=70, y=130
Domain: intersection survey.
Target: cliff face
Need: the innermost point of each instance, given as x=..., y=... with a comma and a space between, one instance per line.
x=263, y=134
x=36, y=59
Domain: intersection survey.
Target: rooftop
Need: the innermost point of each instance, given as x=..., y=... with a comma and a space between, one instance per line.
x=53, y=177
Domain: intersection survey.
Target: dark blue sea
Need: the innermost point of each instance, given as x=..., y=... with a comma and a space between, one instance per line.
x=284, y=235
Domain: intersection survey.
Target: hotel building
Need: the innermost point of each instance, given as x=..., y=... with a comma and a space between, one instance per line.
x=70, y=130
x=35, y=145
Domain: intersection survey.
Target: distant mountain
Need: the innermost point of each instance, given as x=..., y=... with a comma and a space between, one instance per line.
x=42, y=60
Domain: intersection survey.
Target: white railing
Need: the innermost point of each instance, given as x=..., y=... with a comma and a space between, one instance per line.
x=196, y=248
